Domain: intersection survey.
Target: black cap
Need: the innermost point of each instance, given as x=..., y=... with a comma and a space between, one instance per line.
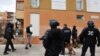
x=53, y=22
x=90, y=23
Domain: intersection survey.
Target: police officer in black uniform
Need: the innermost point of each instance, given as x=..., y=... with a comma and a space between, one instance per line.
x=9, y=31
x=74, y=36
x=55, y=39
x=66, y=34
x=89, y=37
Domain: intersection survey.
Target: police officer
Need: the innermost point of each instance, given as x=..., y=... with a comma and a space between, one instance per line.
x=66, y=34
x=89, y=37
x=9, y=31
x=55, y=39
x=74, y=36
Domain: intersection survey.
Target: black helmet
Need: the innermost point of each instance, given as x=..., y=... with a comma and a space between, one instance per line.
x=90, y=23
x=53, y=22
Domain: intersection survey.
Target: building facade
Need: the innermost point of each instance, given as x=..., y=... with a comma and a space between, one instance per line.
x=19, y=21
x=70, y=12
x=19, y=17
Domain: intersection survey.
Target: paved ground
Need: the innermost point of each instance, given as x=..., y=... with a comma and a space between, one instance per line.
x=38, y=50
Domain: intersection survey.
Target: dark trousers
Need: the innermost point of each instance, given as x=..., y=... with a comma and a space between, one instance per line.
x=85, y=47
x=63, y=48
x=49, y=52
x=9, y=42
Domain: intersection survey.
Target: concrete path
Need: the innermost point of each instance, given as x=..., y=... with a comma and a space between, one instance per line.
x=38, y=50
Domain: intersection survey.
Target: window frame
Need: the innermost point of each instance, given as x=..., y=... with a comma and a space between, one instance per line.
x=81, y=19
x=55, y=3
x=36, y=5
x=79, y=5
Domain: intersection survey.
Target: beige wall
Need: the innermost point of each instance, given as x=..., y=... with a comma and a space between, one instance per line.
x=20, y=14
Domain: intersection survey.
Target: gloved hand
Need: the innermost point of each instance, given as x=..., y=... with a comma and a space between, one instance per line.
x=98, y=45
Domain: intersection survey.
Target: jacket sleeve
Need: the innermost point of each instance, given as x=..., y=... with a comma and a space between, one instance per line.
x=98, y=36
x=81, y=36
x=44, y=37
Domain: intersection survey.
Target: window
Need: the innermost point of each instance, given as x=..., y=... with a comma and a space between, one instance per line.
x=20, y=6
x=34, y=3
x=80, y=17
x=79, y=4
x=58, y=4
x=93, y=5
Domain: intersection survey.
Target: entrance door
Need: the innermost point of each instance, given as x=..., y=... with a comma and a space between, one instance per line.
x=35, y=21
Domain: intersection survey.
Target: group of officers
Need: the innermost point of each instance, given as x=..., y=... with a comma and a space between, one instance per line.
x=55, y=39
